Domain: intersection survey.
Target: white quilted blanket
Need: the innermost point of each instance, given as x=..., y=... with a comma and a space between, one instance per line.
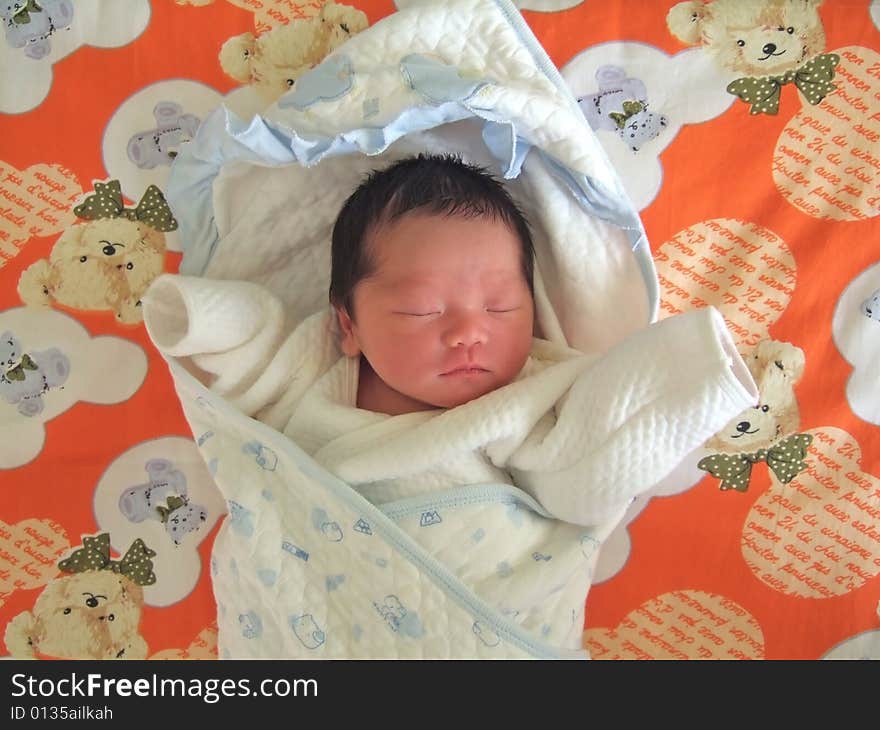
x=304, y=566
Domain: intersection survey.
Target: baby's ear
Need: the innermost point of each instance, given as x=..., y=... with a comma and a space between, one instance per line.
x=348, y=341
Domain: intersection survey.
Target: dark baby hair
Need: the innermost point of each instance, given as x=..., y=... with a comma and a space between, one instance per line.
x=437, y=184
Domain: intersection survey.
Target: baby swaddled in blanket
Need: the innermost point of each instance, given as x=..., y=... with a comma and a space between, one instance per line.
x=424, y=381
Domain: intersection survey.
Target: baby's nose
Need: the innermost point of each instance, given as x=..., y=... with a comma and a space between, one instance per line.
x=465, y=330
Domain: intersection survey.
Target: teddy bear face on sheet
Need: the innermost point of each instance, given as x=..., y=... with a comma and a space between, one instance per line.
x=753, y=38
x=776, y=367
x=83, y=616
x=103, y=264
x=91, y=612
x=772, y=43
x=273, y=61
x=766, y=432
x=109, y=261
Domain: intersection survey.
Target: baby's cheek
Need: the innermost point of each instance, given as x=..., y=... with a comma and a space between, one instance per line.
x=519, y=339
x=404, y=353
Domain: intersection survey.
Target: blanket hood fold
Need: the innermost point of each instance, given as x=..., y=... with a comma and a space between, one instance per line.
x=257, y=199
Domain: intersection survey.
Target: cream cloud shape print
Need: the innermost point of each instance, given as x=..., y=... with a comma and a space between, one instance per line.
x=161, y=491
x=26, y=62
x=669, y=91
x=48, y=362
x=146, y=132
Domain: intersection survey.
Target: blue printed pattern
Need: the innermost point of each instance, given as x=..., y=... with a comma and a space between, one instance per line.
x=392, y=614
x=398, y=618
x=251, y=625
x=307, y=630
x=294, y=550
x=241, y=519
x=436, y=81
x=363, y=526
x=331, y=79
x=328, y=528
x=264, y=456
x=431, y=517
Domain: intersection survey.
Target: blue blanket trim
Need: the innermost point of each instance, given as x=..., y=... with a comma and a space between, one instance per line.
x=382, y=525
x=499, y=493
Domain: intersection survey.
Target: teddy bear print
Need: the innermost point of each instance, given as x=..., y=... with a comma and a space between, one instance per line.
x=91, y=612
x=30, y=23
x=163, y=498
x=774, y=43
x=140, y=502
x=621, y=105
x=636, y=125
x=158, y=146
x=273, y=61
x=766, y=432
x=108, y=262
x=26, y=377
x=180, y=517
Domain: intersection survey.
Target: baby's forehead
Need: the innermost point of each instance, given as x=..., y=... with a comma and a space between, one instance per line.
x=401, y=283
x=402, y=234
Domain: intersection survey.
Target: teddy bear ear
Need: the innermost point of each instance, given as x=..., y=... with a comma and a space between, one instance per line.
x=792, y=360
x=18, y=636
x=235, y=56
x=33, y=284
x=685, y=20
x=783, y=355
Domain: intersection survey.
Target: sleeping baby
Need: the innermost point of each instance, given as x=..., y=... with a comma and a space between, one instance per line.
x=425, y=373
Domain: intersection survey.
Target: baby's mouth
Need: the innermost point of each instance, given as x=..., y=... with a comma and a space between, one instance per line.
x=465, y=370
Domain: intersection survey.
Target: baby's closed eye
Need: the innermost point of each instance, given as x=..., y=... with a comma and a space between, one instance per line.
x=432, y=311
x=416, y=311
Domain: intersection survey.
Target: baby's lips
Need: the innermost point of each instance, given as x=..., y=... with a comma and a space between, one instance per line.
x=465, y=366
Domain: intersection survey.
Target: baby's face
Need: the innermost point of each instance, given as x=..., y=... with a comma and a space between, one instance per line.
x=447, y=315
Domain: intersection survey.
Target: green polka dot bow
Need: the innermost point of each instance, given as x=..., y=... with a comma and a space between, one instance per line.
x=107, y=203
x=173, y=502
x=18, y=372
x=786, y=460
x=22, y=16
x=813, y=79
x=95, y=555
x=630, y=108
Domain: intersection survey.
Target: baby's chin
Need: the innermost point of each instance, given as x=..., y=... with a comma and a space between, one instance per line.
x=459, y=393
